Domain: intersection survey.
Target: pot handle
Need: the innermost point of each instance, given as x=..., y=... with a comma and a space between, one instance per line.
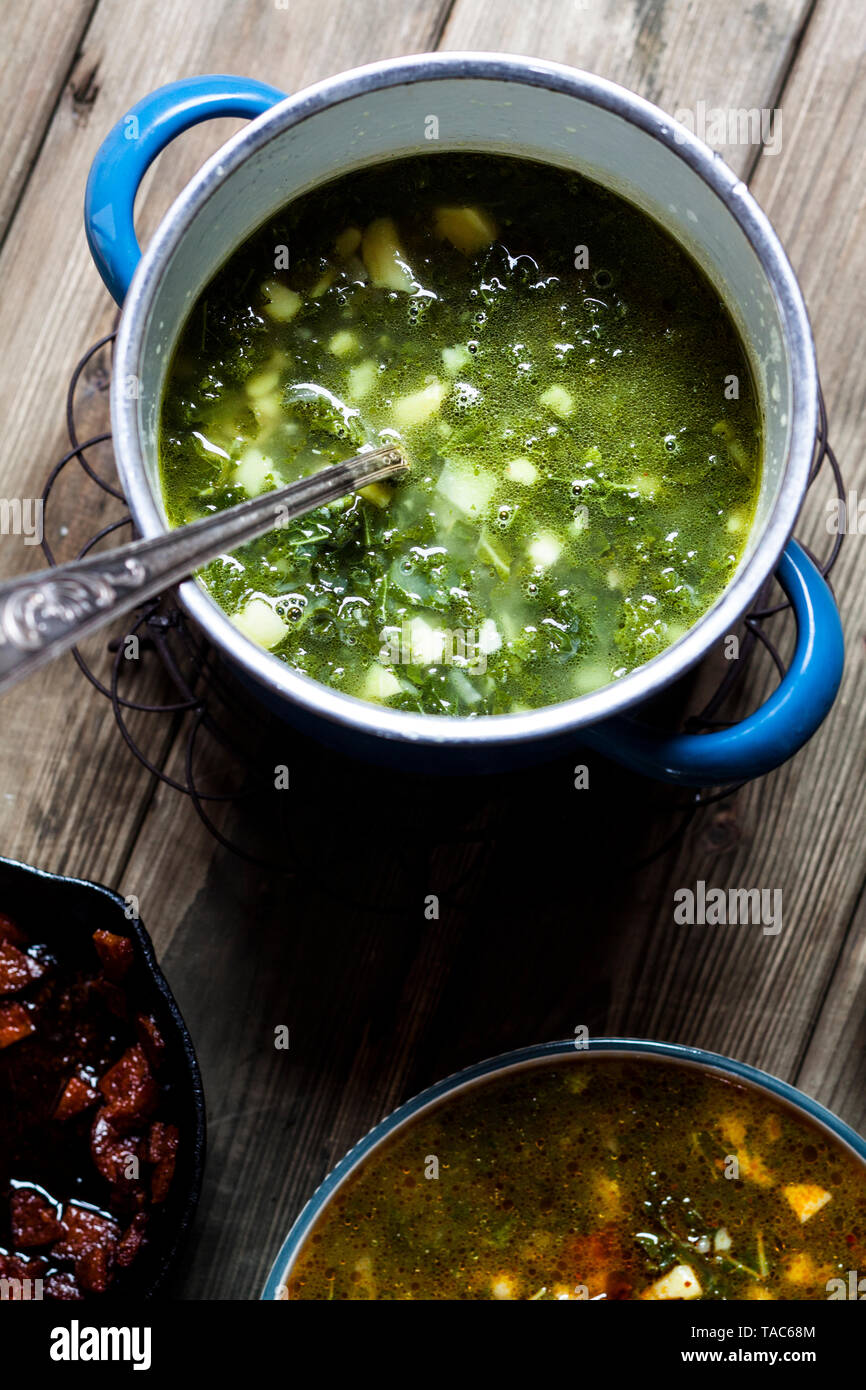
x=767, y=738
x=133, y=144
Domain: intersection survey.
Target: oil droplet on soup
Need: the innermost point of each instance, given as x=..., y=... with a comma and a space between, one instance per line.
x=595, y=1178
x=574, y=400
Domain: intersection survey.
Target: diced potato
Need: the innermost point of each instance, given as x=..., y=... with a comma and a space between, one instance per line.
x=262, y=384
x=469, y=492
x=428, y=642
x=464, y=687
x=384, y=256
x=801, y=1269
x=379, y=494
x=489, y=640
x=806, y=1198
x=557, y=399
x=380, y=683
x=419, y=406
x=259, y=621
x=722, y=1241
x=348, y=242
x=679, y=1282
x=545, y=550
x=732, y=1130
x=735, y=522
x=284, y=302
x=503, y=1287
x=456, y=358
x=343, y=342
x=324, y=282
x=362, y=379
x=265, y=396
x=592, y=676
x=470, y=229
x=753, y=1168
x=254, y=471
x=521, y=471
x=269, y=411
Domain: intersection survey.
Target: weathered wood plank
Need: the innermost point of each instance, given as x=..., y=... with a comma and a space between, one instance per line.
x=833, y=1067
x=821, y=217
x=674, y=52
x=541, y=927
x=532, y=938
x=38, y=41
x=801, y=830
x=71, y=797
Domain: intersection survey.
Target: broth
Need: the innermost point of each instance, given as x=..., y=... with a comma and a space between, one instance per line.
x=594, y=1178
x=574, y=400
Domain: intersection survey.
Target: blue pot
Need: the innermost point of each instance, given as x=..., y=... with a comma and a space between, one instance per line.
x=557, y=115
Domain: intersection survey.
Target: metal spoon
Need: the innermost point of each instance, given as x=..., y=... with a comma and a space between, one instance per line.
x=43, y=614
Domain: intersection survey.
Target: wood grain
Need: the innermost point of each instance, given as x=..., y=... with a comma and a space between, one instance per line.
x=675, y=54
x=821, y=216
x=546, y=918
x=802, y=829
x=532, y=940
x=38, y=42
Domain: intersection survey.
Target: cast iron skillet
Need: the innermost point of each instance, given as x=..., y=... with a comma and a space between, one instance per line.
x=64, y=913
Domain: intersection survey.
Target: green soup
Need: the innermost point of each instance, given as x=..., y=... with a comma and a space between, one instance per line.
x=595, y=1178
x=574, y=400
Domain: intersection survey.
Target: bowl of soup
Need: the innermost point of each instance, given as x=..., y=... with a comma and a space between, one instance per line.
x=582, y=332
x=622, y=1169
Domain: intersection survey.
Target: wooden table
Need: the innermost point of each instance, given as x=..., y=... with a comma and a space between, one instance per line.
x=544, y=921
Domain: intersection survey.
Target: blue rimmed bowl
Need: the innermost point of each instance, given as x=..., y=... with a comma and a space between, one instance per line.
x=533, y=1056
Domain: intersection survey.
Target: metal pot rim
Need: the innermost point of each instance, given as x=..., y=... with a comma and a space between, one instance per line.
x=541, y=724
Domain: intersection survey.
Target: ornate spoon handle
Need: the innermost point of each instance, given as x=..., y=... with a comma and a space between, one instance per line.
x=42, y=615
